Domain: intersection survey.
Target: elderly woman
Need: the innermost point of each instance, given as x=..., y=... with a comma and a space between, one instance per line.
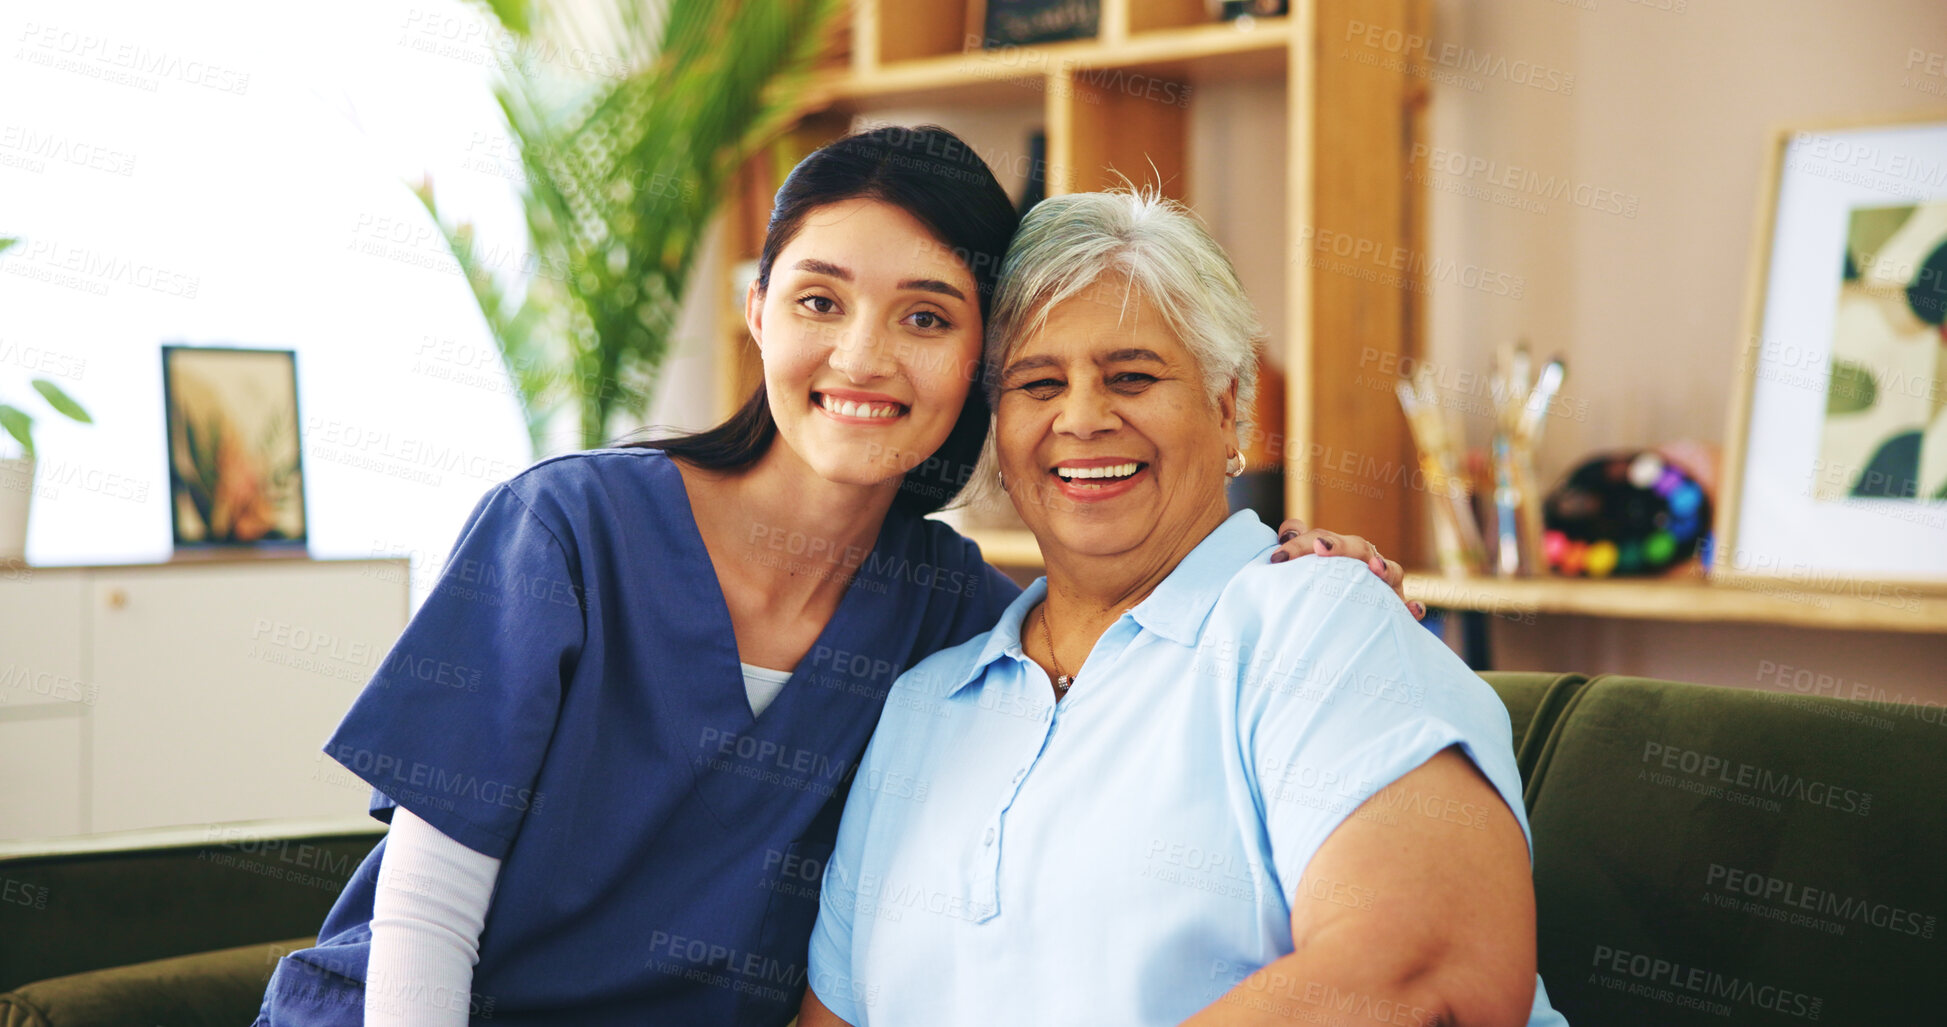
x=1171, y=784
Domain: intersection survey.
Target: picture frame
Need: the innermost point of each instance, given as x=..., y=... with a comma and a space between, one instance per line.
x=234, y=450
x=1835, y=463
x=1003, y=23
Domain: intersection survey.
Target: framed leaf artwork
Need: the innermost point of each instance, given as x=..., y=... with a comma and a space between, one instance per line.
x=1836, y=471
x=236, y=474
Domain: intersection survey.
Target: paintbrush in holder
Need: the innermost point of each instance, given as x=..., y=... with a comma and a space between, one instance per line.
x=1520, y=412
x=1456, y=534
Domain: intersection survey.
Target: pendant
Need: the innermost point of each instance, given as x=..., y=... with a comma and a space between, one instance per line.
x=1062, y=683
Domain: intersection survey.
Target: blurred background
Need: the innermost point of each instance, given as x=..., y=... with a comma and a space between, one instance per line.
x=494, y=233
x=1619, y=323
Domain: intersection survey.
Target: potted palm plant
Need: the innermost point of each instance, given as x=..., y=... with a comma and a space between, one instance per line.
x=622, y=174
x=17, y=473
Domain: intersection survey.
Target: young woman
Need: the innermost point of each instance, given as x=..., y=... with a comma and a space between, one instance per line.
x=614, y=742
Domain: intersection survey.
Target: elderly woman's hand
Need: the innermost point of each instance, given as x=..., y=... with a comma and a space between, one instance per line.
x=1296, y=540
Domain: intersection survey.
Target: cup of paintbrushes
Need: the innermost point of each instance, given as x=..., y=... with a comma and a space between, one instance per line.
x=1456, y=536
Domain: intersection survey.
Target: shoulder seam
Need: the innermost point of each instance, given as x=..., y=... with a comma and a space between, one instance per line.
x=587, y=454
x=528, y=509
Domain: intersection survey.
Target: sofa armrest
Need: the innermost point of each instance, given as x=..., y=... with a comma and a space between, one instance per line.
x=208, y=989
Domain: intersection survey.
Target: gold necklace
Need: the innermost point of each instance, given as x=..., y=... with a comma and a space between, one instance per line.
x=1062, y=678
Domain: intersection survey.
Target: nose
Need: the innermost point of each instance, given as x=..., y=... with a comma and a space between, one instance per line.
x=859, y=353
x=1086, y=410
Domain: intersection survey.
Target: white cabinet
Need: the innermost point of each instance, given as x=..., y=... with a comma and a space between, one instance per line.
x=42, y=780
x=185, y=694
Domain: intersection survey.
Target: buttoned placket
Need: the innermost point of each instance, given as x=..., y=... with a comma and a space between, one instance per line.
x=1027, y=677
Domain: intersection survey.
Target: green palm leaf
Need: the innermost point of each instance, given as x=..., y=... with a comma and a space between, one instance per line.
x=622, y=177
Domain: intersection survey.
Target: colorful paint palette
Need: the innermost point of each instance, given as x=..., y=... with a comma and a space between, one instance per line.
x=1624, y=514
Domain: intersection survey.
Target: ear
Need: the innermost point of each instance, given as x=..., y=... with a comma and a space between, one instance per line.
x=754, y=313
x=1227, y=409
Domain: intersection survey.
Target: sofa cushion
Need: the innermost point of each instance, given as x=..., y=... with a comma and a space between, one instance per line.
x=1707, y=854
x=209, y=989
x=69, y=913
x=1534, y=701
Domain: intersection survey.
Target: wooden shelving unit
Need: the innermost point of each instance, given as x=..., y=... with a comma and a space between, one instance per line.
x=1688, y=599
x=1196, y=52
x=1127, y=103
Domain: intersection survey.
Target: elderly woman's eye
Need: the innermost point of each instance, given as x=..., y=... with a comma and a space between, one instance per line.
x=818, y=304
x=1041, y=388
x=1135, y=379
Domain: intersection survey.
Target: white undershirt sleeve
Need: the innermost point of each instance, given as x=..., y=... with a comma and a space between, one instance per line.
x=427, y=914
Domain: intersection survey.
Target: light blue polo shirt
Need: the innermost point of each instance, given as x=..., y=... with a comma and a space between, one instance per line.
x=1131, y=854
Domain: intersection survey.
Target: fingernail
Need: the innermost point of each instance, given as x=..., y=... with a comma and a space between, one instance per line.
x=1326, y=543
x=1419, y=608
x=1280, y=556
x=1286, y=537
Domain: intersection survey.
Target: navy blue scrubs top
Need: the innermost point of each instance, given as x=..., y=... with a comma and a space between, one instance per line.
x=568, y=700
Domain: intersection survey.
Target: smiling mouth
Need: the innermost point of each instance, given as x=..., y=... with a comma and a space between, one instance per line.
x=870, y=410
x=1097, y=477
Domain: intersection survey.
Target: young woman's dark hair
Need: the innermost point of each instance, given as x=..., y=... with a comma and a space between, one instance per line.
x=933, y=175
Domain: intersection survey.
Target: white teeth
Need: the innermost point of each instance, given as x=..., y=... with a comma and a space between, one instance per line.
x=1111, y=471
x=850, y=408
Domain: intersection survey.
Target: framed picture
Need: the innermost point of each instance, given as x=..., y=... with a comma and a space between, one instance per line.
x=1000, y=23
x=236, y=474
x=1836, y=467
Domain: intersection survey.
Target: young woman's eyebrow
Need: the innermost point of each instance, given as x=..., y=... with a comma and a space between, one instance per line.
x=821, y=267
x=843, y=274
x=933, y=285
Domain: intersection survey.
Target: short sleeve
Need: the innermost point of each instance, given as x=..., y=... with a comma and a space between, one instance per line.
x=454, y=724
x=1354, y=704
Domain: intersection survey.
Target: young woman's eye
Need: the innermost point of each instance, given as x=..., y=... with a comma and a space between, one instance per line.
x=819, y=304
x=928, y=321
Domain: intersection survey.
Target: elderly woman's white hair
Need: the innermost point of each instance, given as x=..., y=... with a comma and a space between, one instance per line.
x=1163, y=252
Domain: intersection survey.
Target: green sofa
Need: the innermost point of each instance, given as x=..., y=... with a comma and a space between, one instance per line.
x=1703, y=855
x=153, y=915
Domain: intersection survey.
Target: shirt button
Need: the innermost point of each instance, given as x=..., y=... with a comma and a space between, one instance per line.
x=989, y=840
x=1018, y=775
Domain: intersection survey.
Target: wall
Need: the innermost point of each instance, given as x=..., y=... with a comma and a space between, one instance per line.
x=245, y=184
x=1669, y=112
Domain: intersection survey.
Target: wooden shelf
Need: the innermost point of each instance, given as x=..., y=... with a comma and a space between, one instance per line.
x=1202, y=52
x=1669, y=599
x=1687, y=599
